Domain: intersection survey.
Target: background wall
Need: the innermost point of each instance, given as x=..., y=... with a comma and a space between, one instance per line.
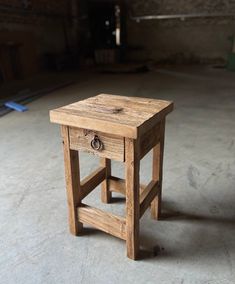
x=39, y=27
x=195, y=40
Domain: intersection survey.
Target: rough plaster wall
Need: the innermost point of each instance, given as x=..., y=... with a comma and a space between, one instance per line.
x=200, y=40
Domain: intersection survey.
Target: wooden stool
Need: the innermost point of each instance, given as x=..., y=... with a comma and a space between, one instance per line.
x=119, y=128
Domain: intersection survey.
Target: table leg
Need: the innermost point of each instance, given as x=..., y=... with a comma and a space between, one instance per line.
x=106, y=194
x=158, y=151
x=132, y=198
x=72, y=177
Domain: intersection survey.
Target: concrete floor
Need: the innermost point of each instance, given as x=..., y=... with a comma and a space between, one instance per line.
x=195, y=243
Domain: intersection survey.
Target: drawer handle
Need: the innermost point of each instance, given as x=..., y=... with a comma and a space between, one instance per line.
x=96, y=144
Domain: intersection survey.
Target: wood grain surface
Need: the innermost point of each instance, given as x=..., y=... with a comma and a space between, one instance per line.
x=125, y=116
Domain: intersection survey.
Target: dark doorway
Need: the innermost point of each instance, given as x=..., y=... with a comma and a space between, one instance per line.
x=102, y=24
x=105, y=29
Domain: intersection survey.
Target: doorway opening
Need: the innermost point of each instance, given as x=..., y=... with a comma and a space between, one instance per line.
x=106, y=32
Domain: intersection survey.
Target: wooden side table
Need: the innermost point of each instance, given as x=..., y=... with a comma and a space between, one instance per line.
x=119, y=128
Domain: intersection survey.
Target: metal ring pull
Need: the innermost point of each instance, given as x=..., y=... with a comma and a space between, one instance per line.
x=96, y=144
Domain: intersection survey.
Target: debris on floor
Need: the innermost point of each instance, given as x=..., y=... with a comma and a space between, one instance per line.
x=15, y=106
x=26, y=96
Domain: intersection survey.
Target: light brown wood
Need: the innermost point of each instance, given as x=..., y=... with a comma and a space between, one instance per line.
x=90, y=182
x=107, y=222
x=147, y=196
x=119, y=185
x=106, y=194
x=125, y=116
x=149, y=140
x=113, y=145
x=132, y=197
x=147, y=193
x=158, y=152
x=132, y=104
x=72, y=178
x=120, y=128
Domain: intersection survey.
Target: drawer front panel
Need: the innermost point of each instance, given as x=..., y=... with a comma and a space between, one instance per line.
x=98, y=143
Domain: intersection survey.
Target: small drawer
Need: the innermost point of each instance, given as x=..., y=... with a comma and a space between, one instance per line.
x=101, y=144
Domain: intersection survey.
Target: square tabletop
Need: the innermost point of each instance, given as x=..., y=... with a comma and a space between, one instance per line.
x=120, y=115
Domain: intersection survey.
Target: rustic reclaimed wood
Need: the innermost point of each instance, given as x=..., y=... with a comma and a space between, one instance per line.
x=149, y=140
x=157, y=171
x=124, y=116
x=118, y=128
x=72, y=179
x=92, y=181
x=132, y=197
x=113, y=145
x=119, y=185
x=148, y=195
x=106, y=194
x=102, y=220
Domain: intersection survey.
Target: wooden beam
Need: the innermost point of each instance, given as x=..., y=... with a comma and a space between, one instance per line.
x=90, y=182
x=148, y=195
x=132, y=166
x=107, y=222
x=72, y=179
x=157, y=172
x=106, y=194
x=119, y=185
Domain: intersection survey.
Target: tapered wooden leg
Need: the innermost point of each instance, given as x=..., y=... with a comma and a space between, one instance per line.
x=132, y=198
x=157, y=173
x=72, y=177
x=106, y=194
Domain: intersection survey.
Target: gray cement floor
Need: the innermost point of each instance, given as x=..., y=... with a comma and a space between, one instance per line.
x=195, y=243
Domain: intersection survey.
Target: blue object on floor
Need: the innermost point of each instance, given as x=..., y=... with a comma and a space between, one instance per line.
x=15, y=106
